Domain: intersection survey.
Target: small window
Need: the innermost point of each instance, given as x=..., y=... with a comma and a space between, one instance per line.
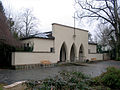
x=51, y=49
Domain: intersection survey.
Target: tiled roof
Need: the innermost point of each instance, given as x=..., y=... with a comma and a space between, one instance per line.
x=44, y=35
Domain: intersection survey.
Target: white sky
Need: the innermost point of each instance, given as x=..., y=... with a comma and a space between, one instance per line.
x=49, y=11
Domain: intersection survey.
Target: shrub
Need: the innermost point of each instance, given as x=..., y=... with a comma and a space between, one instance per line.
x=111, y=78
x=5, y=55
x=65, y=81
x=78, y=81
x=118, y=59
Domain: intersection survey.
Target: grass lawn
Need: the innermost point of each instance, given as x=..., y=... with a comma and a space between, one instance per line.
x=1, y=86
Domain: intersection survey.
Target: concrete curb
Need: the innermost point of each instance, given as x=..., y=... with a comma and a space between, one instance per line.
x=15, y=86
x=95, y=61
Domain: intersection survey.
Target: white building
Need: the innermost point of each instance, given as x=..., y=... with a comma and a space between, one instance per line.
x=62, y=44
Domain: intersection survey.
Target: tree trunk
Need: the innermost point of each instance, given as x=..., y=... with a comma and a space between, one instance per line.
x=117, y=42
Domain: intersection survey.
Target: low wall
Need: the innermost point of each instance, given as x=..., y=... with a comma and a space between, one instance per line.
x=35, y=58
x=26, y=58
x=95, y=56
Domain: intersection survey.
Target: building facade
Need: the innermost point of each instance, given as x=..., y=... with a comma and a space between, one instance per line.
x=62, y=44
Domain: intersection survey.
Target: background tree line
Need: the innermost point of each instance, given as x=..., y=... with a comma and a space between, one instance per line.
x=108, y=14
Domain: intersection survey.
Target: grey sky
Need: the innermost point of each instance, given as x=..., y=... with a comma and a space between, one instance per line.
x=49, y=11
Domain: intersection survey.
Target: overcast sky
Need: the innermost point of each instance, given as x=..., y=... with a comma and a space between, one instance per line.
x=48, y=12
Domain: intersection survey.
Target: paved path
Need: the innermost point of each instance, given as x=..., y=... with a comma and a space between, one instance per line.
x=94, y=69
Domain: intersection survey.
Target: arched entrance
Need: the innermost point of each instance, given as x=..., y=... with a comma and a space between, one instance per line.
x=81, y=53
x=72, y=53
x=63, y=53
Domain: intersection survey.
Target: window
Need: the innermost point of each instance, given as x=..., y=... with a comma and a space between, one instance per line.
x=52, y=49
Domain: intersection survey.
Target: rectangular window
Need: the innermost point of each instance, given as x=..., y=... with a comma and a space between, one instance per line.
x=52, y=49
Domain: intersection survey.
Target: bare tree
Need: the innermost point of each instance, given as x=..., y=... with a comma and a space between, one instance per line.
x=105, y=10
x=29, y=23
x=104, y=39
x=22, y=23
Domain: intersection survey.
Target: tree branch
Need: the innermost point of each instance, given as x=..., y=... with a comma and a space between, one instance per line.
x=92, y=11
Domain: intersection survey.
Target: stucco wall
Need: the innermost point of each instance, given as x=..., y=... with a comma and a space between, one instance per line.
x=43, y=45
x=95, y=56
x=92, y=48
x=64, y=34
x=40, y=45
x=22, y=58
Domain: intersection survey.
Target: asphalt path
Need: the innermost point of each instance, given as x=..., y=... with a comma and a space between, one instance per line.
x=94, y=69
